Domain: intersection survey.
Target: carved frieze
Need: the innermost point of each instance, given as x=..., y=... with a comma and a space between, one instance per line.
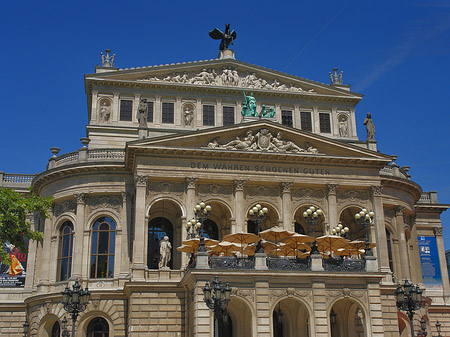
x=331, y=295
x=227, y=77
x=214, y=189
x=275, y=294
x=165, y=187
x=263, y=191
x=263, y=140
x=351, y=196
x=249, y=294
x=65, y=206
x=307, y=193
x=105, y=202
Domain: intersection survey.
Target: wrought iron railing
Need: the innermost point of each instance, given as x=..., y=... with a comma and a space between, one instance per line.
x=280, y=263
x=231, y=262
x=346, y=265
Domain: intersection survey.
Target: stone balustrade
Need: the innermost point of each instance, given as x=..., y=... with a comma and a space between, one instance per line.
x=395, y=171
x=16, y=181
x=428, y=198
x=84, y=155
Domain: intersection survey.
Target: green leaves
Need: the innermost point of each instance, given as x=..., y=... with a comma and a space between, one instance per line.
x=14, y=227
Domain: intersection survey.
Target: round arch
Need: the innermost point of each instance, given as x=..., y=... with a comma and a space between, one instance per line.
x=221, y=215
x=347, y=219
x=273, y=217
x=241, y=320
x=154, y=204
x=291, y=317
x=82, y=328
x=46, y=325
x=103, y=212
x=61, y=220
x=301, y=223
x=350, y=318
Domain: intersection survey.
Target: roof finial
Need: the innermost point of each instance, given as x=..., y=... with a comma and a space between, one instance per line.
x=336, y=78
x=107, y=61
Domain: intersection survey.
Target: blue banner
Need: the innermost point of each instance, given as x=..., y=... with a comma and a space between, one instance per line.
x=429, y=259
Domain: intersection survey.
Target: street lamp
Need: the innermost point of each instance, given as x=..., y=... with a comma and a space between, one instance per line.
x=26, y=327
x=438, y=328
x=193, y=229
x=340, y=230
x=75, y=301
x=423, y=327
x=312, y=216
x=217, y=301
x=364, y=218
x=202, y=212
x=64, y=332
x=409, y=299
x=258, y=214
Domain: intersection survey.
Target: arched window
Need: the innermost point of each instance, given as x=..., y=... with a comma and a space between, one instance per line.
x=65, y=251
x=210, y=230
x=389, y=249
x=158, y=228
x=98, y=327
x=103, y=247
x=56, y=330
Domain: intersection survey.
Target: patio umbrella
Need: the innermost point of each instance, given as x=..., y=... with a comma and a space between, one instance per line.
x=227, y=248
x=298, y=241
x=268, y=246
x=348, y=251
x=196, y=242
x=187, y=249
x=359, y=244
x=242, y=238
x=330, y=243
x=276, y=234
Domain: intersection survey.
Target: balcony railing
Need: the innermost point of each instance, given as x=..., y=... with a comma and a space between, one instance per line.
x=288, y=264
x=16, y=181
x=231, y=262
x=87, y=155
x=340, y=265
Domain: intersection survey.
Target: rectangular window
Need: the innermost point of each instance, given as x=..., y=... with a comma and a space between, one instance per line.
x=324, y=122
x=167, y=112
x=228, y=115
x=150, y=112
x=126, y=110
x=208, y=115
x=286, y=117
x=305, y=120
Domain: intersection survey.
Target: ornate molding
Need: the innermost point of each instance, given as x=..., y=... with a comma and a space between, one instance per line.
x=332, y=188
x=377, y=190
x=331, y=295
x=249, y=294
x=351, y=196
x=214, y=189
x=306, y=193
x=80, y=198
x=105, y=202
x=438, y=231
x=65, y=206
x=140, y=180
x=124, y=196
x=286, y=187
x=227, y=77
x=239, y=185
x=191, y=182
x=399, y=210
x=275, y=294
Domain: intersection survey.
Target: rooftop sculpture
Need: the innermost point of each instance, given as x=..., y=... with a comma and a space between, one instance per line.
x=227, y=37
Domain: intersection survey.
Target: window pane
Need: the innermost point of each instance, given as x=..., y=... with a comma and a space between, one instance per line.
x=167, y=112
x=65, y=246
x=93, y=266
x=102, y=267
x=286, y=117
x=111, y=266
x=103, y=242
x=126, y=110
x=305, y=120
x=228, y=115
x=94, y=242
x=112, y=244
x=324, y=121
x=150, y=112
x=63, y=270
x=208, y=115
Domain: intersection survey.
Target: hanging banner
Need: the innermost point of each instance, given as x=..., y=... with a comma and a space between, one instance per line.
x=13, y=275
x=429, y=259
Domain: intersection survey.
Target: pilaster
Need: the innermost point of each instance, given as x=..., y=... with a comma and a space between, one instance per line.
x=376, y=313
x=190, y=204
x=320, y=318
x=157, y=112
x=138, y=265
x=124, y=254
x=46, y=248
x=239, y=206
x=263, y=317
x=77, y=256
x=442, y=261
x=403, y=247
x=332, y=210
x=286, y=205
x=380, y=232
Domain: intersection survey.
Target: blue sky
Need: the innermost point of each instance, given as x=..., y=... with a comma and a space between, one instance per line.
x=396, y=53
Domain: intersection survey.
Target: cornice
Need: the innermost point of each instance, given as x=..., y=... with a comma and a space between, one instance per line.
x=406, y=185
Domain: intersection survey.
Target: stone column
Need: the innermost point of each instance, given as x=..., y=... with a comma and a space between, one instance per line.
x=157, y=112
x=332, y=211
x=286, y=205
x=125, y=251
x=77, y=257
x=115, y=107
x=190, y=204
x=315, y=120
x=296, y=118
x=139, y=228
x=380, y=231
x=46, y=248
x=94, y=117
x=239, y=206
x=403, y=247
x=178, y=112
x=198, y=115
x=442, y=261
x=396, y=259
x=219, y=113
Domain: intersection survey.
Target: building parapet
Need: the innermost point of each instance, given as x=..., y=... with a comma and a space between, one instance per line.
x=395, y=171
x=429, y=198
x=16, y=181
x=84, y=155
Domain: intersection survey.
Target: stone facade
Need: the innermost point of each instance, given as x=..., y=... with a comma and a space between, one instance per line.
x=143, y=181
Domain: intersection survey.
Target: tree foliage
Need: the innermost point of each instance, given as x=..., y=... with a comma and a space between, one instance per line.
x=14, y=227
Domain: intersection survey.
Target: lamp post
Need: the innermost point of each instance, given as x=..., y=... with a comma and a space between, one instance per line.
x=217, y=301
x=423, y=327
x=312, y=216
x=202, y=212
x=340, y=230
x=75, y=301
x=26, y=327
x=364, y=218
x=193, y=229
x=64, y=332
x=258, y=214
x=409, y=299
x=438, y=328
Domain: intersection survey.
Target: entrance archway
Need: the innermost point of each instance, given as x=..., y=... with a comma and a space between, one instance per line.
x=240, y=319
x=98, y=327
x=347, y=319
x=290, y=318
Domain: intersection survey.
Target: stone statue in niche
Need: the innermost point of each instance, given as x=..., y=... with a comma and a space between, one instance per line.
x=105, y=113
x=142, y=113
x=165, y=253
x=343, y=127
x=188, y=116
x=370, y=128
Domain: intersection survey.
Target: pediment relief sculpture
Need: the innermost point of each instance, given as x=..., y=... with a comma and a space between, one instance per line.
x=263, y=140
x=228, y=77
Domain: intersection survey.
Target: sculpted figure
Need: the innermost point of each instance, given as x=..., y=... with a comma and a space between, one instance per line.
x=249, y=105
x=107, y=60
x=226, y=37
x=370, y=128
x=310, y=148
x=143, y=113
x=243, y=144
x=281, y=145
x=105, y=113
x=188, y=116
x=214, y=143
x=343, y=127
x=165, y=249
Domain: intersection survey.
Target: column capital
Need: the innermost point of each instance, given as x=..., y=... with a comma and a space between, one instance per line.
x=286, y=187
x=239, y=185
x=191, y=182
x=377, y=190
x=399, y=210
x=437, y=231
x=332, y=188
x=124, y=196
x=140, y=180
x=80, y=197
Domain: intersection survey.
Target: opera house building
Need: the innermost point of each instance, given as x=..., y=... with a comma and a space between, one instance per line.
x=200, y=169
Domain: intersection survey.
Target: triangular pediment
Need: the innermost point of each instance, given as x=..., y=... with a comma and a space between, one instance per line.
x=225, y=74
x=257, y=139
